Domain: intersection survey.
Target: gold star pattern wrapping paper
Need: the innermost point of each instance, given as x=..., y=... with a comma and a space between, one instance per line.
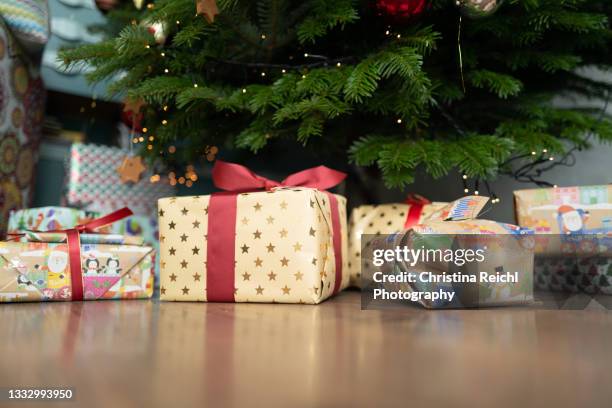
x=377, y=219
x=283, y=247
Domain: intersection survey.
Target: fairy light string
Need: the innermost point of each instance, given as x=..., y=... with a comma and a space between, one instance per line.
x=539, y=162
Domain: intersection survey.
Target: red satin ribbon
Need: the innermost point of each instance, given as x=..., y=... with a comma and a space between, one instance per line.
x=416, y=203
x=222, y=210
x=73, y=239
x=336, y=239
x=220, y=255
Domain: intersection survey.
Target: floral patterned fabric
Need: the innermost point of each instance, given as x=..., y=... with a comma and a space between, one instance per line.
x=22, y=101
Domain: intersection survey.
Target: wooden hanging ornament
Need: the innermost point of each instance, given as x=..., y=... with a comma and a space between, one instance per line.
x=131, y=169
x=208, y=8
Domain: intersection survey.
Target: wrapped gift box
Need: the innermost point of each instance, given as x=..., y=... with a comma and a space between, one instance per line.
x=60, y=218
x=565, y=210
x=592, y=275
x=460, y=217
x=40, y=271
x=281, y=245
x=60, y=237
x=48, y=219
x=382, y=219
x=509, y=249
x=95, y=185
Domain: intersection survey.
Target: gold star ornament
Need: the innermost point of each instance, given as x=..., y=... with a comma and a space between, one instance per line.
x=131, y=169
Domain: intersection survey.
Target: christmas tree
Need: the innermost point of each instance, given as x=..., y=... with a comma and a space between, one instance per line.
x=396, y=84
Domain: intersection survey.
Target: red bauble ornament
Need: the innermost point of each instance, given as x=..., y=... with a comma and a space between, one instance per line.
x=400, y=8
x=132, y=120
x=132, y=114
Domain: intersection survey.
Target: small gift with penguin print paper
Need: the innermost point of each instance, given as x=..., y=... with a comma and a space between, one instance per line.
x=76, y=264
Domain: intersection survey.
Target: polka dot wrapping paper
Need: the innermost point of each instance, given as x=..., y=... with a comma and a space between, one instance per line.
x=377, y=219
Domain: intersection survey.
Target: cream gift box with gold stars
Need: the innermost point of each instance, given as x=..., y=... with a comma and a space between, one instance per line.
x=380, y=219
x=283, y=247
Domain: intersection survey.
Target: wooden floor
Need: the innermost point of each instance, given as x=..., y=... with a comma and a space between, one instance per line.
x=146, y=354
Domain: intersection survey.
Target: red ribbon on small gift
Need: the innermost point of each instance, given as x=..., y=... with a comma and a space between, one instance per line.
x=416, y=203
x=222, y=209
x=73, y=239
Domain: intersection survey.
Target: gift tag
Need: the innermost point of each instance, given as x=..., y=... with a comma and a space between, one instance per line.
x=465, y=208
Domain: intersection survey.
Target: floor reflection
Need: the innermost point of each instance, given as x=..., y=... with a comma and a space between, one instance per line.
x=162, y=354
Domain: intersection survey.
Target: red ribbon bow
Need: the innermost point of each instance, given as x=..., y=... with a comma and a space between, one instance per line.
x=416, y=202
x=236, y=178
x=222, y=210
x=73, y=239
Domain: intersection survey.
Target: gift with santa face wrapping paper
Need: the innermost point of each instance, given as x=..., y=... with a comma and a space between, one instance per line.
x=257, y=241
x=574, y=244
x=565, y=210
x=75, y=264
x=383, y=219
